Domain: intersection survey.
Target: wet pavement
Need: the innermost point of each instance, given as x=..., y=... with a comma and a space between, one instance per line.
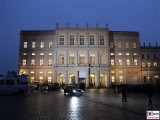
x=95, y=104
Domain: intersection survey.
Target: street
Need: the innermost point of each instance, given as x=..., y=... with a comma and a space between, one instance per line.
x=95, y=104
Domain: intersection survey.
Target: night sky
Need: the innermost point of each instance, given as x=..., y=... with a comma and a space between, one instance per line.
x=120, y=15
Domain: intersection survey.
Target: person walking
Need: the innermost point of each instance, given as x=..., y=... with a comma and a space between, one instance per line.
x=124, y=93
x=150, y=93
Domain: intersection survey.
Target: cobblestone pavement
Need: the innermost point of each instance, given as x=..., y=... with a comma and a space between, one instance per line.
x=98, y=104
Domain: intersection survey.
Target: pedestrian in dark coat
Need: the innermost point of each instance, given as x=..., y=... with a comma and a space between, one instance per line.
x=124, y=94
x=150, y=93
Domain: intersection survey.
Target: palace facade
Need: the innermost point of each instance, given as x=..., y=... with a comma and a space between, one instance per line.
x=95, y=56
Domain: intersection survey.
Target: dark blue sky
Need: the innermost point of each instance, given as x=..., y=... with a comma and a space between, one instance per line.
x=120, y=15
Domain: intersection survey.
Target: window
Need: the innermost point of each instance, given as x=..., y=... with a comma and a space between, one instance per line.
x=148, y=56
x=1, y=82
x=32, y=72
x=112, y=72
x=127, y=61
x=112, y=61
x=49, y=79
x=143, y=64
x=142, y=56
x=119, y=53
x=81, y=40
x=9, y=82
x=155, y=64
x=135, y=62
x=50, y=62
x=119, y=45
x=24, y=53
x=25, y=44
x=112, y=53
x=81, y=58
x=33, y=44
x=61, y=59
x=120, y=78
x=149, y=64
x=92, y=58
x=41, y=61
x=32, y=61
x=41, y=53
x=61, y=41
x=42, y=45
x=113, y=79
x=102, y=59
x=40, y=72
x=154, y=56
x=134, y=45
x=49, y=72
x=120, y=61
x=71, y=59
x=101, y=40
x=127, y=45
x=24, y=62
x=135, y=54
x=120, y=72
x=127, y=53
x=91, y=40
x=71, y=40
x=111, y=45
x=33, y=54
x=50, y=54
x=41, y=79
x=32, y=79
x=50, y=45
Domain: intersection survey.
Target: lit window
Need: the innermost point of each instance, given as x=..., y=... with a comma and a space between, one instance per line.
x=127, y=53
x=24, y=62
x=50, y=62
x=50, y=53
x=101, y=40
x=32, y=79
x=119, y=45
x=112, y=53
x=112, y=72
x=25, y=44
x=143, y=64
x=120, y=78
x=128, y=61
x=92, y=58
x=41, y=53
x=112, y=61
x=81, y=58
x=33, y=44
x=42, y=45
x=71, y=40
x=49, y=72
x=49, y=79
x=40, y=72
x=119, y=53
x=41, y=79
x=127, y=45
x=71, y=59
x=135, y=62
x=41, y=61
x=120, y=61
x=149, y=64
x=134, y=45
x=155, y=64
x=81, y=40
x=120, y=72
x=102, y=59
x=32, y=61
x=111, y=45
x=50, y=45
x=91, y=40
x=135, y=54
x=61, y=41
x=61, y=59
x=33, y=54
x=113, y=78
x=24, y=53
x=32, y=72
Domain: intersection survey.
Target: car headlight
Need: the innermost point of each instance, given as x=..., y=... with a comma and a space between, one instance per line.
x=74, y=91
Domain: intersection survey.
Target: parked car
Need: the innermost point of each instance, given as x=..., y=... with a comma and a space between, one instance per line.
x=54, y=86
x=34, y=85
x=73, y=90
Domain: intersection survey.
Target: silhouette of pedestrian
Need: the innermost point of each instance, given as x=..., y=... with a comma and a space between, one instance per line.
x=150, y=93
x=124, y=94
x=114, y=87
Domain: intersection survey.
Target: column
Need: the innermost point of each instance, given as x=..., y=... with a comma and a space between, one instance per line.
x=55, y=76
x=87, y=57
x=76, y=77
x=107, y=79
x=66, y=77
x=87, y=79
x=97, y=79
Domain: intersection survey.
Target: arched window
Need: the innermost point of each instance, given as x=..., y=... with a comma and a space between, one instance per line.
x=61, y=59
x=91, y=40
x=81, y=40
x=61, y=41
x=92, y=58
x=71, y=59
x=81, y=58
x=72, y=40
